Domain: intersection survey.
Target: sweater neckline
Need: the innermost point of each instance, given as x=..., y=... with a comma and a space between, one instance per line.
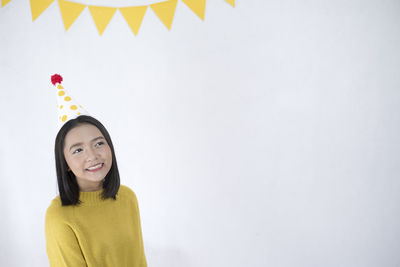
x=91, y=197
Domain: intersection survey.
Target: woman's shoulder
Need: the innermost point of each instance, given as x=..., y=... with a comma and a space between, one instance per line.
x=55, y=203
x=126, y=191
x=55, y=210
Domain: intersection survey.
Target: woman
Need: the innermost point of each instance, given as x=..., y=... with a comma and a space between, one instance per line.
x=94, y=221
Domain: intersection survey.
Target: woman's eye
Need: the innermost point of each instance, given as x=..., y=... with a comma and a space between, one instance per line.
x=76, y=150
x=101, y=143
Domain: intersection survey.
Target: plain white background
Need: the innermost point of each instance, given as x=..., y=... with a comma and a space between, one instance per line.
x=265, y=135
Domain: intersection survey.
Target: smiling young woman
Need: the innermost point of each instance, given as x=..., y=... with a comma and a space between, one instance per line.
x=88, y=156
x=94, y=221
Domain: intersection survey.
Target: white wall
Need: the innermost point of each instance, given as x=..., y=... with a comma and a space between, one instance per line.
x=265, y=135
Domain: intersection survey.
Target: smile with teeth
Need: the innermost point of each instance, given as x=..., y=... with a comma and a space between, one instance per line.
x=95, y=168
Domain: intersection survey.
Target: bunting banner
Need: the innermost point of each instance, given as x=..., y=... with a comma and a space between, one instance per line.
x=102, y=15
x=4, y=2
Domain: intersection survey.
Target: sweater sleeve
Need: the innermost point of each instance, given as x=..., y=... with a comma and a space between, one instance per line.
x=143, y=262
x=62, y=246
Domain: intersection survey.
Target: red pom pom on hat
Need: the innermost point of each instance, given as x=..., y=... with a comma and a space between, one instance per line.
x=56, y=78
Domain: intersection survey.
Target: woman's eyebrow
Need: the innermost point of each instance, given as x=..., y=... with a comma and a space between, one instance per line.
x=78, y=144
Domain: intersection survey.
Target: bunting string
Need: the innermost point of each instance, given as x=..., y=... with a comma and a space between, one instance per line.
x=102, y=15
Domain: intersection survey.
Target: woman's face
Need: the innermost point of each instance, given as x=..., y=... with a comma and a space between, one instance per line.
x=84, y=148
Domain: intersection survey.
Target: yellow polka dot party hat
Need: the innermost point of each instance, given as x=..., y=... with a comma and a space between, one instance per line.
x=67, y=106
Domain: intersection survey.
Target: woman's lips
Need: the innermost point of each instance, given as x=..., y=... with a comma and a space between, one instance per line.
x=95, y=170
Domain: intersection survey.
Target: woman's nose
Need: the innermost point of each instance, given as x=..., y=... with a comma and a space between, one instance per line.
x=91, y=154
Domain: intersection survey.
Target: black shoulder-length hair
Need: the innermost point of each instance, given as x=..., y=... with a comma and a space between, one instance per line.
x=67, y=185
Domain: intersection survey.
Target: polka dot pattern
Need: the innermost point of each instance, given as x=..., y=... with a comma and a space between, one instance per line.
x=67, y=106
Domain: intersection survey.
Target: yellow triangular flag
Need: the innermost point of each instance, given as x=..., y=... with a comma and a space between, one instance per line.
x=38, y=6
x=232, y=2
x=197, y=6
x=70, y=11
x=4, y=2
x=102, y=16
x=133, y=16
x=165, y=11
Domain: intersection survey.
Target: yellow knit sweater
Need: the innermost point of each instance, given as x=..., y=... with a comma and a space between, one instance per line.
x=99, y=233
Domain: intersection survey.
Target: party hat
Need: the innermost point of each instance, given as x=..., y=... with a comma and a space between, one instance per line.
x=67, y=107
